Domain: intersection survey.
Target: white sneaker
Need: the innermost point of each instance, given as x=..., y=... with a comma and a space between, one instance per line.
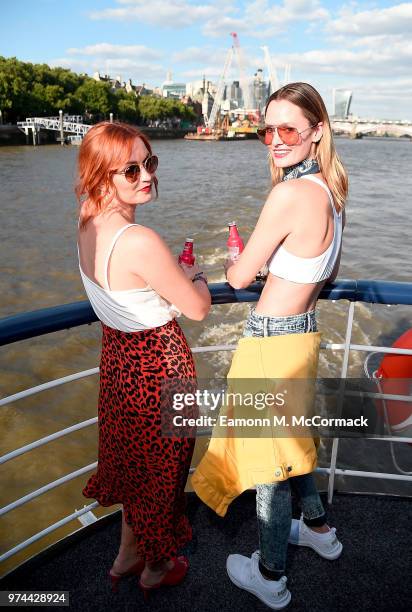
x=245, y=574
x=326, y=544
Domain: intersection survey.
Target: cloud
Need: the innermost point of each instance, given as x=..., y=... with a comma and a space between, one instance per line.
x=393, y=20
x=201, y=56
x=138, y=70
x=260, y=18
x=263, y=19
x=196, y=75
x=374, y=42
x=209, y=61
x=108, y=50
x=387, y=91
x=175, y=14
x=137, y=62
x=391, y=59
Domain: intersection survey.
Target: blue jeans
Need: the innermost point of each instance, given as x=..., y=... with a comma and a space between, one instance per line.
x=273, y=501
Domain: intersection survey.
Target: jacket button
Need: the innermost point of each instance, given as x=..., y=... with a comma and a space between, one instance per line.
x=278, y=473
x=290, y=468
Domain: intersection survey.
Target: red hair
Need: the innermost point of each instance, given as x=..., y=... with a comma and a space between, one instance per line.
x=105, y=148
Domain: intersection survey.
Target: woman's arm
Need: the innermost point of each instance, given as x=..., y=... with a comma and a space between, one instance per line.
x=155, y=263
x=274, y=224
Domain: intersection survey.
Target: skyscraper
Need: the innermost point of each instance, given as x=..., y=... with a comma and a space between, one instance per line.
x=342, y=99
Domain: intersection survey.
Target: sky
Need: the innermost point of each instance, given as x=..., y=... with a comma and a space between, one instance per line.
x=362, y=46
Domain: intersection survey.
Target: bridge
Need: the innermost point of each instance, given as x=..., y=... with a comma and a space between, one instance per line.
x=69, y=124
x=358, y=128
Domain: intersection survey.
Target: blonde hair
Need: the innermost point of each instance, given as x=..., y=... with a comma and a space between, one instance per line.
x=310, y=102
x=105, y=148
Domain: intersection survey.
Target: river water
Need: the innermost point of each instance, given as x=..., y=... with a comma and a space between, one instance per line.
x=202, y=186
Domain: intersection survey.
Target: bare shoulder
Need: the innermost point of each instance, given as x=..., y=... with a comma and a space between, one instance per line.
x=309, y=191
x=284, y=189
x=302, y=202
x=287, y=195
x=282, y=194
x=140, y=238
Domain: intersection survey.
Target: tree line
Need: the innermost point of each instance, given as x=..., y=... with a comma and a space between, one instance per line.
x=36, y=90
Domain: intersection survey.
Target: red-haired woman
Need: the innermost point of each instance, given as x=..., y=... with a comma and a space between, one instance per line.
x=137, y=289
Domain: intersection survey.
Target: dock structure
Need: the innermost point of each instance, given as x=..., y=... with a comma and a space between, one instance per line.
x=65, y=124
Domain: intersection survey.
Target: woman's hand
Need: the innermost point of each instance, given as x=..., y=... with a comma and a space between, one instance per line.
x=190, y=271
x=262, y=273
x=228, y=264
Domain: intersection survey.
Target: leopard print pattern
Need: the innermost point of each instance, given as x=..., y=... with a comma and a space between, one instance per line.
x=137, y=467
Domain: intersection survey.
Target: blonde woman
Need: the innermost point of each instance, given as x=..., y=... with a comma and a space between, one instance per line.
x=299, y=235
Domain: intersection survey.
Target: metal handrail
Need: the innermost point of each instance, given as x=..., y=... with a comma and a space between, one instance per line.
x=42, y=441
x=46, y=488
x=49, y=529
x=28, y=325
x=32, y=324
x=47, y=385
x=344, y=371
x=198, y=349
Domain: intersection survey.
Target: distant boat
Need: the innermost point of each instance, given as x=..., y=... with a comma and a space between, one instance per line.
x=75, y=139
x=216, y=135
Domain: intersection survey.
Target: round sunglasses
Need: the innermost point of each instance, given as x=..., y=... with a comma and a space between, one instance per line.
x=288, y=135
x=132, y=172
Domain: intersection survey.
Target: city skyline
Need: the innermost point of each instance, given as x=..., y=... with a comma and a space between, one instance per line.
x=362, y=46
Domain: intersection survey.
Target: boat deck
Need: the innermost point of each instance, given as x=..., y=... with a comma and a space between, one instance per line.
x=373, y=572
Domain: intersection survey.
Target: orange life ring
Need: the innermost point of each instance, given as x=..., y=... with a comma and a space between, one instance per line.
x=395, y=372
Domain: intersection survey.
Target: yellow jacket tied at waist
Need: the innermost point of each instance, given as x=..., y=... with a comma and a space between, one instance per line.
x=284, y=365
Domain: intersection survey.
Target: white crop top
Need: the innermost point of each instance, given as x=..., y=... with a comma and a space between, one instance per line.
x=309, y=269
x=129, y=310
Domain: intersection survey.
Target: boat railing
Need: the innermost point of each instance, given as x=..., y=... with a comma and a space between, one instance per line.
x=33, y=324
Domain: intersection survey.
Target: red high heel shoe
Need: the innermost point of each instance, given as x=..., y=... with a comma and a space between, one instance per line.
x=173, y=577
x=135, y=570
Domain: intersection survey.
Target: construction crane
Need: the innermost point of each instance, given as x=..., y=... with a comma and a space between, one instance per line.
x=211, y=120
x=234, y=49
x=273, y=77
x=243, y=80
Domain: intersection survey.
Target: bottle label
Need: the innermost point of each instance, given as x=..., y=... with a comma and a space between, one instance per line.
x=234, y=252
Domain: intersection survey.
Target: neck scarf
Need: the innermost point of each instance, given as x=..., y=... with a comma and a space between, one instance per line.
x=307, y=166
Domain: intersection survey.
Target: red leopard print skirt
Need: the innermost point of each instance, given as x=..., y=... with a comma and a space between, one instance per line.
x=137, y=467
